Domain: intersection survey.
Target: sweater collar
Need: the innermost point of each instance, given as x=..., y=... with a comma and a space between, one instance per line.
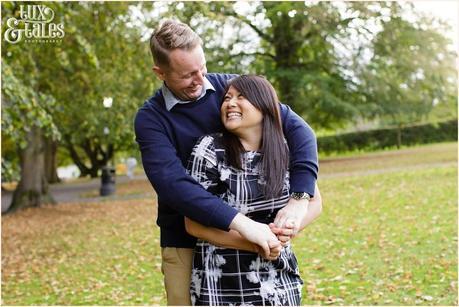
x=170, y=99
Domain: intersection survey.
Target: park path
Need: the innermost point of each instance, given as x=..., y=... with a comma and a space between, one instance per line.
x=74, y=191
x=71, y=191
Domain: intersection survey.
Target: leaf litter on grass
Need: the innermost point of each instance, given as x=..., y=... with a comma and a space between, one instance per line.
x=388, y=238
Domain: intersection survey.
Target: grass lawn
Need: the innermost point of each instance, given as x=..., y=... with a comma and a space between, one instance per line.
x=387, y=236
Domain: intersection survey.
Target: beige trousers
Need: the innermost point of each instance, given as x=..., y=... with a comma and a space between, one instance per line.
x=176, y=268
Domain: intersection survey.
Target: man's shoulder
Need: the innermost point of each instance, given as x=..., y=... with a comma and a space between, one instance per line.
x=150, y=109
x=153, y=102
x=219, y=79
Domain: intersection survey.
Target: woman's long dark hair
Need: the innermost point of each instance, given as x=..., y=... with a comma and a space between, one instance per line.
x=261, y=94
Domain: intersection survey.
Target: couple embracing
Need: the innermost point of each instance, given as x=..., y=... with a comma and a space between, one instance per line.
x=235, y=173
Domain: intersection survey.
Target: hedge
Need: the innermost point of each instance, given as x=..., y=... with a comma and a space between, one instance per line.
x=387, y=138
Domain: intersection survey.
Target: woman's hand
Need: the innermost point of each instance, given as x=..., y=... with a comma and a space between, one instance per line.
x=257, y=233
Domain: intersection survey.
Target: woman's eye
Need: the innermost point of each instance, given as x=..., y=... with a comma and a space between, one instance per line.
x=226, y=98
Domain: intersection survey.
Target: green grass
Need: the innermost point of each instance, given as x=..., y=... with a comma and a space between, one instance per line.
x=384, y=239
x=387, y=236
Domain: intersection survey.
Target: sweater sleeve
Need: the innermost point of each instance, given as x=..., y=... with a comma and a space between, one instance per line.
x=302, y=144
x=173, y=185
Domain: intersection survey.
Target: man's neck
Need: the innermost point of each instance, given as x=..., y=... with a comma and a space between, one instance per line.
x=175, y=95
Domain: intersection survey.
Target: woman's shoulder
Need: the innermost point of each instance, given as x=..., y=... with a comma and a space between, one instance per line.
x=210, y=140
x=208, y=145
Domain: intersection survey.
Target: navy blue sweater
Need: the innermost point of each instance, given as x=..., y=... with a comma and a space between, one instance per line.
x=166, y=139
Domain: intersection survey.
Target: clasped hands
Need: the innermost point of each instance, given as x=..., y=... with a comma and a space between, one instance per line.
x=286, y=226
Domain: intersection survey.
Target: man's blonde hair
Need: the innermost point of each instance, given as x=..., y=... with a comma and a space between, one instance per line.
x=170, y=35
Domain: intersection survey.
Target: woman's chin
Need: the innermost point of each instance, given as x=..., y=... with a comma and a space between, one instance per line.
x=231, y=127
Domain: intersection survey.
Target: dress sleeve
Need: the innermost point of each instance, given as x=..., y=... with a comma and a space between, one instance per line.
x=202, y=165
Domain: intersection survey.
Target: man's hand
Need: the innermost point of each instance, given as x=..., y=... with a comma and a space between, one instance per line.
x=257, y=233
x=275, y=250
x=292, y=215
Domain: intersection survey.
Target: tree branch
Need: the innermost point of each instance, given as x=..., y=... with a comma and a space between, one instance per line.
x=74, y=155
x=247, y=22
x=254, y=53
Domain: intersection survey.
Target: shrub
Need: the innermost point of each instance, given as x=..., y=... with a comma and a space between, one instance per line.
x=387, y=137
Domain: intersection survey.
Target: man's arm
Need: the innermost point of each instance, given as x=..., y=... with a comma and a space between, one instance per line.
x=302, y=144
x=307, y=212
x=174, y=186
x=184, y=194
x=304, y=165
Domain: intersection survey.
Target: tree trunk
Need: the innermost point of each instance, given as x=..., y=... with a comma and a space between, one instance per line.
x=32, y=190
x=97, y=156
x=399, y=136
x=50, y=161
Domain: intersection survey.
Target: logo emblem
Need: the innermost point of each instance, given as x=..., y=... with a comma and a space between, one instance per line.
x=34, y=25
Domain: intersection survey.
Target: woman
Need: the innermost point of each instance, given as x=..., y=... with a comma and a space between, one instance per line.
x=247, y=166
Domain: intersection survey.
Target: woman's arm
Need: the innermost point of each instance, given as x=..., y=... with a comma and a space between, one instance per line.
x=226, y=239
x=230, y=239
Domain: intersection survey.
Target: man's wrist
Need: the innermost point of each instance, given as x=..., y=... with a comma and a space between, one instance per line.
x=300, y=196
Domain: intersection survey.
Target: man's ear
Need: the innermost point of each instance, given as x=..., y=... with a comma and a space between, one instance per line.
x=159, y=72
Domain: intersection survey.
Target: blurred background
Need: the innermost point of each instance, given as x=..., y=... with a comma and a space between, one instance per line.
x=367, y=76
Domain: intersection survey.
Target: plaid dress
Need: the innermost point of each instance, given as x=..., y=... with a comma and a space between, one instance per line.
x=222, y=276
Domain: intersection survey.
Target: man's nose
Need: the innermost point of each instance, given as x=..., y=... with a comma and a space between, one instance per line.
x=199, y=79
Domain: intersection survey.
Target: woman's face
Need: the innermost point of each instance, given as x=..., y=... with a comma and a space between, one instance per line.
x=238, y=114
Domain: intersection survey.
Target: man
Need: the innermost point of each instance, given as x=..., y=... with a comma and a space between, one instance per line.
x=167, y=126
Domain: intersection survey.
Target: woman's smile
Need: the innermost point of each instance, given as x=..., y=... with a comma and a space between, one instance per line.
x=233, y=115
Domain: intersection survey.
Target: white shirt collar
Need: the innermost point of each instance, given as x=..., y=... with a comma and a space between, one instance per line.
x=170, y=99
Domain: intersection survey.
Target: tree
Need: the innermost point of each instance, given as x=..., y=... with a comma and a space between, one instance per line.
x=26, y=121
x=410, y=74
x=55, y=91
x=292, y=43
x=103, y=58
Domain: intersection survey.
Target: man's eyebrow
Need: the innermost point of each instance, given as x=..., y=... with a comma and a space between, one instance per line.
x=194, y=71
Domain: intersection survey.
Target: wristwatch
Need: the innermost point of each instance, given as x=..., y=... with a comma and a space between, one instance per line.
x=300, y=195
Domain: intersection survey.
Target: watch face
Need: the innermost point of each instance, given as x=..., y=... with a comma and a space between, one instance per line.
x=300, y=195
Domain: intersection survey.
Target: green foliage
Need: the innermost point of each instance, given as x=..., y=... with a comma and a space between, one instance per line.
x=387, y=138
x=412, y=72
x=61, y=86
x=296, y=52
x=315, y=54
x=10, y=159
x=101, y=58
x=24, y=106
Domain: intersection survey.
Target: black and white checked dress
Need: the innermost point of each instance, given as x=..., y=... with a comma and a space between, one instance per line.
x=222, y=276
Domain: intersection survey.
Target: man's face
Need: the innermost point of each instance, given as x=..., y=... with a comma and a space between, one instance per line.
x=185, y=74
